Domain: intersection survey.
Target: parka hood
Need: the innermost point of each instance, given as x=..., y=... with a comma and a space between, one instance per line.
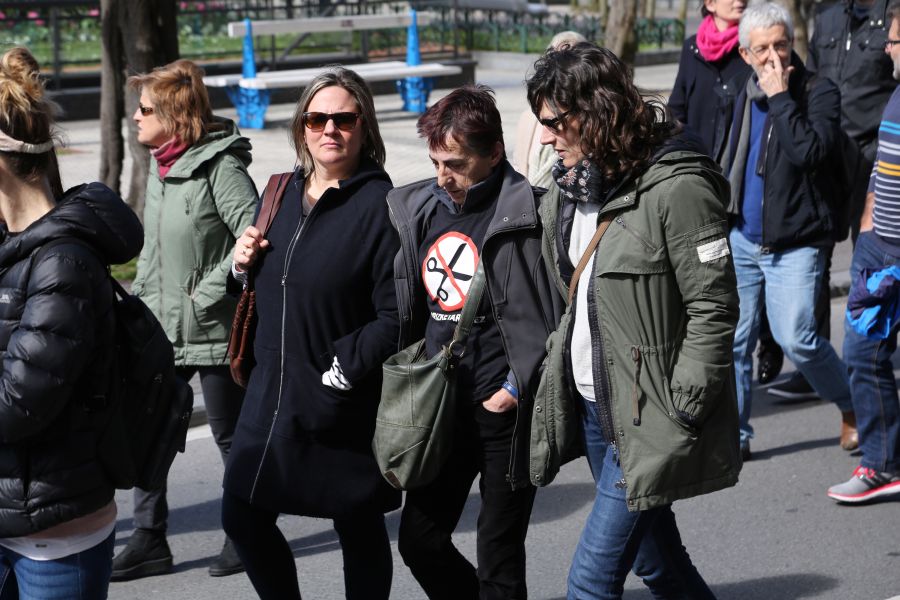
x=90, y=212
x=681, y=154
x=225, y=137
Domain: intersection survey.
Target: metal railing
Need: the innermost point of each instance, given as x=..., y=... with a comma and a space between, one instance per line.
x=64, y=35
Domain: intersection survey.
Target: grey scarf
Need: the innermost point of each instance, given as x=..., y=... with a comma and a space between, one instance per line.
x=739, y=163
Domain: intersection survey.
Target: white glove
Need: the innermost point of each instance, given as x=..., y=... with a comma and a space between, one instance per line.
x=334, y=377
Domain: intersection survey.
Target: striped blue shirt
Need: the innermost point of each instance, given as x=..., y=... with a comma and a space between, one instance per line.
x=885, y=181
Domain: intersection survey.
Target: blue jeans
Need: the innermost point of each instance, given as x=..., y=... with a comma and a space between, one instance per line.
x=872, y=374
x=81, y=576
x=790, y=280
x=615, y=540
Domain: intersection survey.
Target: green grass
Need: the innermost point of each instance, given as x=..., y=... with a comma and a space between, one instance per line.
x=125, y=272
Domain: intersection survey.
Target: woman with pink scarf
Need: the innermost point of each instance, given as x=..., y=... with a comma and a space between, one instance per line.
x=710, y=74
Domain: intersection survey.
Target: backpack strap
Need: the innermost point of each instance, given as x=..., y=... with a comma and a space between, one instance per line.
x=271, y=201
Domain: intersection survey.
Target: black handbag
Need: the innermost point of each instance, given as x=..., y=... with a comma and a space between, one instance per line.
x=415, y=420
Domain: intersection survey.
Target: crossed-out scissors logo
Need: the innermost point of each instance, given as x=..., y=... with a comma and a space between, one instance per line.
x=448, y=269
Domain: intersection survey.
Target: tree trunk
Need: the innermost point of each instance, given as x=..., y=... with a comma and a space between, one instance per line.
x=138, y=35
x=682, y=11
x=112, y=150
x=620, y=35
x=650, y=11
x=800, y=11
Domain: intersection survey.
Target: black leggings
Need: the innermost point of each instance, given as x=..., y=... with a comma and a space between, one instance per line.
x=368, y=566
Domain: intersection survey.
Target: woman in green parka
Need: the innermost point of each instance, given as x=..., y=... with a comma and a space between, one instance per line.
x=643, y=352
x=199, y=198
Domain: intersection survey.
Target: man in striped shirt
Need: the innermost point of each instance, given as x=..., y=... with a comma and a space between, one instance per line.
x=872, y=382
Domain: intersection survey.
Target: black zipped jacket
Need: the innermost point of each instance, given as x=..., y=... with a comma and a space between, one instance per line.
x=525, y=302
x=704, y=92
x=56, y=341
x=797, y=161
x=324, y=289
x=850, y=52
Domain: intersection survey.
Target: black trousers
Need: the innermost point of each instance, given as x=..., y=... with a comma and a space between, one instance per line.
x=368, y=566
x=223, y=399
x=430, y=514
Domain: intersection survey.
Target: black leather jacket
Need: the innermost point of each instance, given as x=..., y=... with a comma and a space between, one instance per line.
x=56, y=342
x=850, y=52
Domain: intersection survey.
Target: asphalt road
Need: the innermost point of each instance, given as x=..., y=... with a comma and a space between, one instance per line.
x=774, y=536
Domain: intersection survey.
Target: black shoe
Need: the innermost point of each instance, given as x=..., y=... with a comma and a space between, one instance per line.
x=745, y=451
x=227, y=563
x=795, y=388
x=147, y=553
x=770, y=361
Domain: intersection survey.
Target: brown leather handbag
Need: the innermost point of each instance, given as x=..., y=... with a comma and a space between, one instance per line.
x=243, y=327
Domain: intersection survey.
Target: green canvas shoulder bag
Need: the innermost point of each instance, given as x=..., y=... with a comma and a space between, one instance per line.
x=415, y=419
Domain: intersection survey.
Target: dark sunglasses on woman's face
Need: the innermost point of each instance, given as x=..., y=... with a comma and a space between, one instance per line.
x=554, y=124
x=316, y=121
x=145, y=110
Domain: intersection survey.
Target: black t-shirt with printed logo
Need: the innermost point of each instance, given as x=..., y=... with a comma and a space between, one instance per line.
x=448, y=257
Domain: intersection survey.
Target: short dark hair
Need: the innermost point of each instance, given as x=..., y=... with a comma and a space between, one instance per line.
x=469, y=114
x=620, y=129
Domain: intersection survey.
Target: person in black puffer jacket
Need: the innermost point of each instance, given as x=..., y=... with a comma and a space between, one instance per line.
x=56, y=341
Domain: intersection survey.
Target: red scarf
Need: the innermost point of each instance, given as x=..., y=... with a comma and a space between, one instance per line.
x=168, y=153
x=715, y=44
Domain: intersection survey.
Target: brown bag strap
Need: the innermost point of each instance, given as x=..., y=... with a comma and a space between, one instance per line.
x=271, y=201
x=582, y=264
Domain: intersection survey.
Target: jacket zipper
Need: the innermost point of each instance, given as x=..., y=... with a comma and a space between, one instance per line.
x=621, y=222
x=762, y=206
x=287, y=261
x=515, y=432
x=407, y=247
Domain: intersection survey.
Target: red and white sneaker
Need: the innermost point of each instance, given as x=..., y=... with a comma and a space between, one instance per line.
x=866, y=484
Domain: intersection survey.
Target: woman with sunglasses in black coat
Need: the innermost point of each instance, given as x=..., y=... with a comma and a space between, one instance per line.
x=327, y=311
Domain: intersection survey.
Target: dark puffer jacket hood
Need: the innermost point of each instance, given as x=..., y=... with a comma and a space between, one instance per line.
x=90, y=212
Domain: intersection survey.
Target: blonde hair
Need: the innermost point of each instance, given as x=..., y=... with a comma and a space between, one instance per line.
x=373, y=145
x=27, y=115
x=180, y=101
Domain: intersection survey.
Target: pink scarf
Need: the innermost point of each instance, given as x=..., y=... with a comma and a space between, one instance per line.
x=715, y=44
x=167, y=154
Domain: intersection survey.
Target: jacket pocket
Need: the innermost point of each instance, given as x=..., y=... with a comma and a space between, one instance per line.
x=627, y=248
x=708, y=255
x=555, y=418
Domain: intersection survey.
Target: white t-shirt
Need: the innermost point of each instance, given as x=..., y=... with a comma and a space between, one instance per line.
x=584, y=226
x=66, y=538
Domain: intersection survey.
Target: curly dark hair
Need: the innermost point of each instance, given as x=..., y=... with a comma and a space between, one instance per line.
x=620, y=128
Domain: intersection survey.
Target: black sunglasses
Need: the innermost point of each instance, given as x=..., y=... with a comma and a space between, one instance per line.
x=554, y=124
x=890, y=43
x=145, y=110
x=316, y=121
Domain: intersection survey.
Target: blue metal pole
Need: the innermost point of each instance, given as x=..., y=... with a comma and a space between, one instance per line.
x=251, y=104
x=414, y=90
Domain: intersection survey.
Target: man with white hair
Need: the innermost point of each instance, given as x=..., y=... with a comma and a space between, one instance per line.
x=781, y=152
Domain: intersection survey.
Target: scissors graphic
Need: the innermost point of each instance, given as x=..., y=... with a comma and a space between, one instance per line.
x=433, y=266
